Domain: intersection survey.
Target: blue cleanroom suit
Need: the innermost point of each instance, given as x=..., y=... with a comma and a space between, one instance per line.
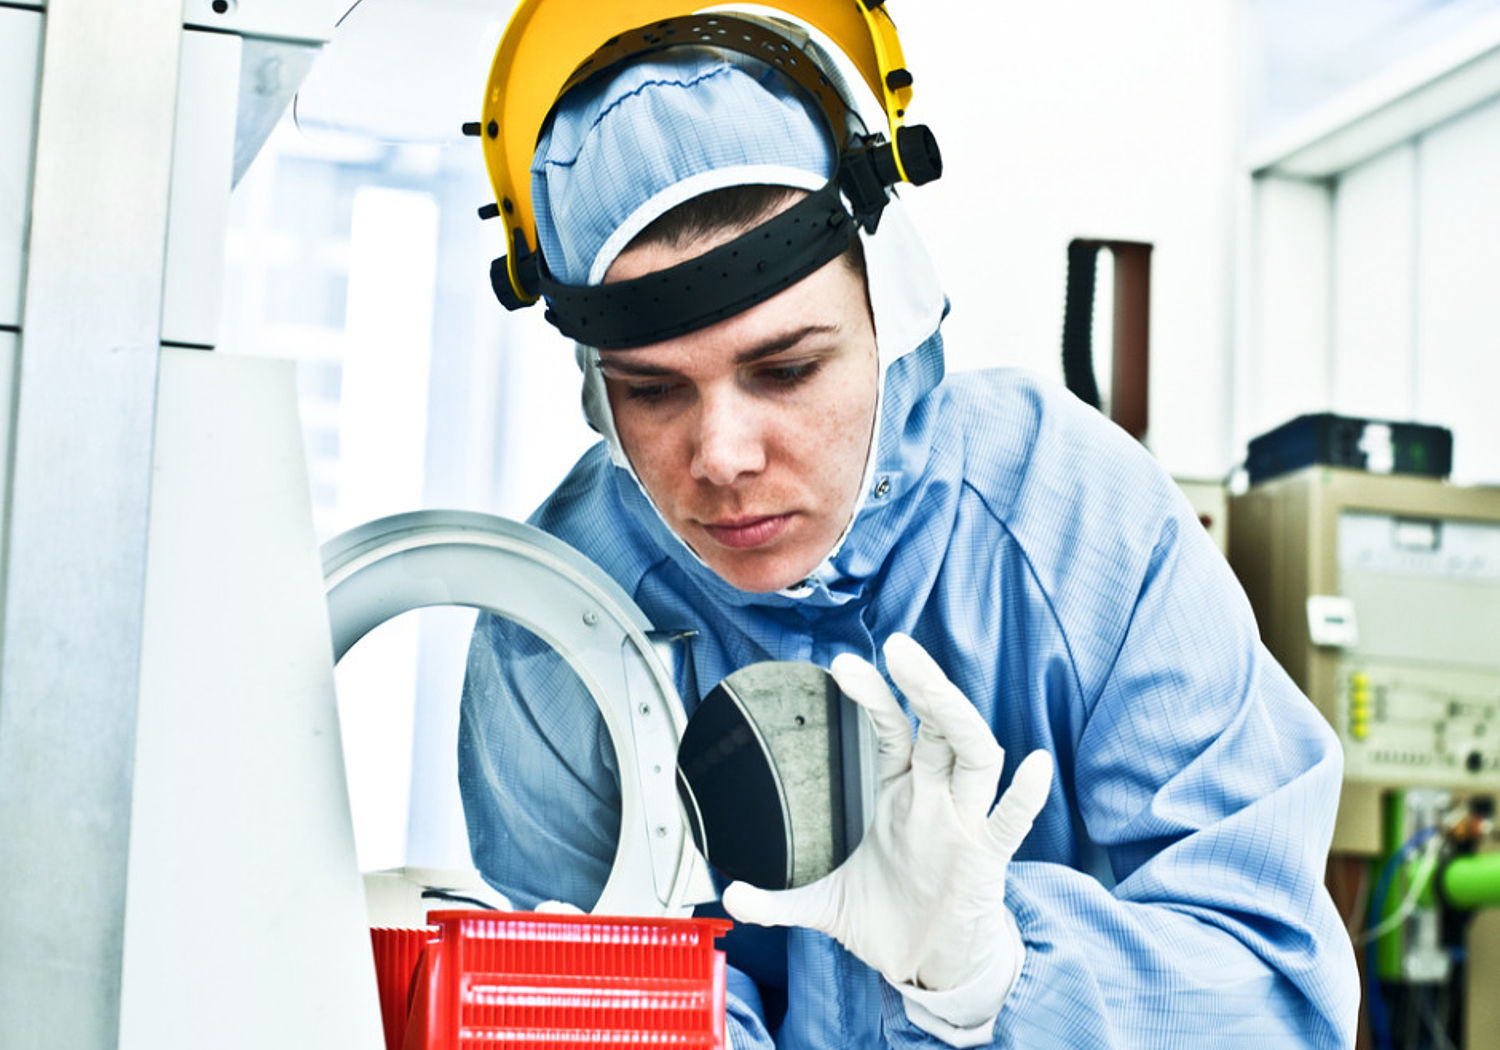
x=1169, y=894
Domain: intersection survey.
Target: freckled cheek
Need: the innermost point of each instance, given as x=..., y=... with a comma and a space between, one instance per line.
x=660, y=455
x=830, y=455
x=853, y=445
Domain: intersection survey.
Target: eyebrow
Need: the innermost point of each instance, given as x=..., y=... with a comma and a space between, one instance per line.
x=619, y=361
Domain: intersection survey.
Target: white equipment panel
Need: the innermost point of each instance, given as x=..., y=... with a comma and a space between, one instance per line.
x=20, y=62
x=296, y=20
x=410, y=561
x=1380, y=595
x=202, y=174
x=9, y=348
x=1418, y=695
x=245, y=915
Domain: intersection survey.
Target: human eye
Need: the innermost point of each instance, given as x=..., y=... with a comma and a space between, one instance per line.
x=650, y=393
x=790, y=374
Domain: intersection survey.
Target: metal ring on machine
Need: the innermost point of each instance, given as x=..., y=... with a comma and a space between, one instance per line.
x=384, y=568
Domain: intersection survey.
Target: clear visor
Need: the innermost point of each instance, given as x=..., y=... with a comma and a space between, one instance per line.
x=403, y=71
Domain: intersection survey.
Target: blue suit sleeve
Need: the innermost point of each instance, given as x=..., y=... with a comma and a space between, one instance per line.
x=540, y=787
x=1208, y=782
x=537, y=771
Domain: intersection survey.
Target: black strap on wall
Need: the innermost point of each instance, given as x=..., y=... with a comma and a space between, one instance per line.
x=1078, y=321
x=1131, y=350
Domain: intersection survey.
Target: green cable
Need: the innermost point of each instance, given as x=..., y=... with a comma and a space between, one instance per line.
x=1388, y=948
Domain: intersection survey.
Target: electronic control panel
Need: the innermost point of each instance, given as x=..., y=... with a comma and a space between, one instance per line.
x=1417, y=725
x=1380, y=595
x=1416, y=693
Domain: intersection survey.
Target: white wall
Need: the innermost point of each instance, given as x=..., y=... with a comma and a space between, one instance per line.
x=1086, y=118
x=1372, y=293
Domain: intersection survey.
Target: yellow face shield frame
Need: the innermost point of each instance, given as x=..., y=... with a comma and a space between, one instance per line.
x=550, y=45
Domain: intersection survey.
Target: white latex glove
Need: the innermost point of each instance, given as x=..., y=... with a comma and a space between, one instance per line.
x=922, y=898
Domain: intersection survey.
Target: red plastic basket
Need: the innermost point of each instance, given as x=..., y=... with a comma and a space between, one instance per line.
x=520, y=980
x=397, y=953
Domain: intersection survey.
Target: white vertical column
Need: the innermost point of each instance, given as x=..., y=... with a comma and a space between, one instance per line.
x=1458, y=271
x=382, y=440
x=1285, y=370
x=75, y=564
x=1374, y=275
x=245, y=917
x=202, y=174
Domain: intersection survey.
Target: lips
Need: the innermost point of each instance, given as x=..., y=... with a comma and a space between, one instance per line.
x=742, y=533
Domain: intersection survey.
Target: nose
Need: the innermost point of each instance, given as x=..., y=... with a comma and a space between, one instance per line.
x=729, y=441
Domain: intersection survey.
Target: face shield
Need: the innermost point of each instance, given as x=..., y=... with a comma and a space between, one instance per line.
x=553, y=46
x=642, y=134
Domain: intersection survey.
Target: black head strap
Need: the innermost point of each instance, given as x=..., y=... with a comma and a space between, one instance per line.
x=698, y=292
